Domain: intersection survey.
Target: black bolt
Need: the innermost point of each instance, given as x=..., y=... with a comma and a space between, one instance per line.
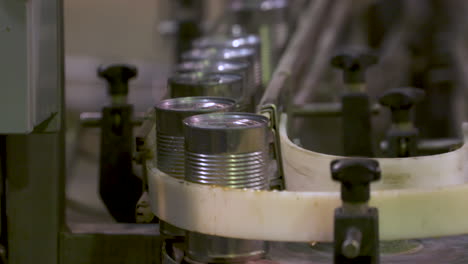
x=354, y=63
x=355, y=176
x=118, y=76
x=401, y=101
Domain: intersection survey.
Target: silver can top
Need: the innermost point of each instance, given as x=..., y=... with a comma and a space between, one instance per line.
x=229, y=133
x=171, y=112
x=213, y=66
x=261, y=5
x=227, y=41
x=206, y=84
x=213, y=53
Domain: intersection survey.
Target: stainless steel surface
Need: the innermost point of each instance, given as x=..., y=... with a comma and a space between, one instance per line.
x=447, y=250
x=212, y=249
x=352, y=244
x=277, y=173
x=31, y=37
x=170, y=131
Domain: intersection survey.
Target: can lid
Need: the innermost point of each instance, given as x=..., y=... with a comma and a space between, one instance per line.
x=171, y=112
x=263, y=5
x=218, y=133
x=196, y=103
x=212, y=66
x=227, y=41
x=221, y=121
x=202, y=78
x=214, y=53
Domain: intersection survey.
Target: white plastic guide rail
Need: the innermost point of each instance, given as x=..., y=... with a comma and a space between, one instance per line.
x=418, y=197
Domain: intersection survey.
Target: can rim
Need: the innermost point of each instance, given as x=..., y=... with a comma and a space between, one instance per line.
x=249, y=121
x=262, y=5
x=198, y=78
x=227, y=41
x=218, y=53
x=211, y=65
x=178, y=104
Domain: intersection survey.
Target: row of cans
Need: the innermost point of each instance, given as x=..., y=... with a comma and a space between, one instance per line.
x=201, y=140
x=208, y=132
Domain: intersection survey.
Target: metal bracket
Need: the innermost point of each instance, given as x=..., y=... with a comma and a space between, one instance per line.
x=271, y=112
x=143, y=151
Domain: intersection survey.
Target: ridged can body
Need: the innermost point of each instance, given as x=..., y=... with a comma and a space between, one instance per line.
x=243, y=69
x=267, y=18
x=170, y=114
x=209, y=84
x=228, y=54
x=229, y=150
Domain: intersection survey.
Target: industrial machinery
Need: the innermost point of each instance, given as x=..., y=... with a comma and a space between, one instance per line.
x=321, y=131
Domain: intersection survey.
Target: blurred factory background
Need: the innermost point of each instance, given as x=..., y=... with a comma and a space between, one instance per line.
x=301, y=64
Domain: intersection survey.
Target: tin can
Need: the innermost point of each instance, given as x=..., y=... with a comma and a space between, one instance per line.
x=230, y=150
x=170, y=114
x=225, y=41
x=232, y=67
x=263, y=60
x=227, y=149
x=209, y=84
x=229, y=54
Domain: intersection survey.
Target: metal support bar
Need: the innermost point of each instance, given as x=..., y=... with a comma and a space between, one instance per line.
x=298, y=51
